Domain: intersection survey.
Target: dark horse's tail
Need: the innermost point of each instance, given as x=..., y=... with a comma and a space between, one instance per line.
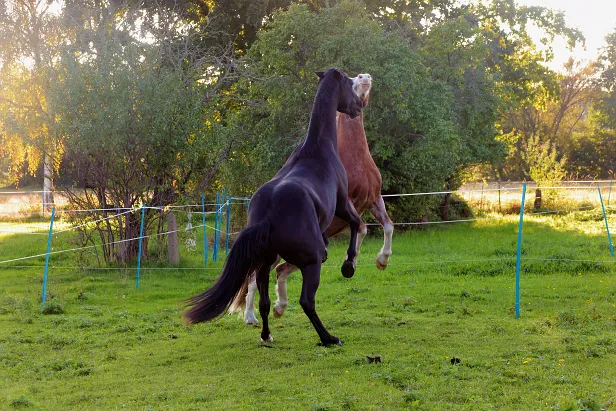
x=245, y=256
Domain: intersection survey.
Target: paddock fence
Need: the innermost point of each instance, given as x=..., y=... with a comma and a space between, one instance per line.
x=213, y=222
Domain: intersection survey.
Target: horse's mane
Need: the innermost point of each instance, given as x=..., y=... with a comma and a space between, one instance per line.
x=324, y=94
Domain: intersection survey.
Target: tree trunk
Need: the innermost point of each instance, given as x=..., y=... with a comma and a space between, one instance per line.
x=131, y=232
x=48, y=182
x=538, y=201
x=444, y=208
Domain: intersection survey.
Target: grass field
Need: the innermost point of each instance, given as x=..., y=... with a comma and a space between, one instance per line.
x=448, y=293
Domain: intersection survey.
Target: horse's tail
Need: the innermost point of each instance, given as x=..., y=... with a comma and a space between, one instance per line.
x=244, y=257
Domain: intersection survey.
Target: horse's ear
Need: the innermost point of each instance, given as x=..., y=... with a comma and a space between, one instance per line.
x=337, y=74
x=320, y=73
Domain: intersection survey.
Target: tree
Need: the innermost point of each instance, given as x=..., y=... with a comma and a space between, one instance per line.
x=594, y=152
x=549, y=133
x=607, y=82
x=139, y=118
x=25, y=75
x=482, y=50
x=407, y=121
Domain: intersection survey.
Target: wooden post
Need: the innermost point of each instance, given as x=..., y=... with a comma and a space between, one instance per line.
x=173, y=248
x=538, y=201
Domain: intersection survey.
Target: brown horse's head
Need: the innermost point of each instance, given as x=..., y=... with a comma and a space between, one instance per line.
x=362, y=85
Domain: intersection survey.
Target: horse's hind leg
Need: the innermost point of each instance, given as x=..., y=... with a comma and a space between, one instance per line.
x=249, y=310
x=326, y=242
x=282, y=273
x=380, y=213
x=264, y=299
x=311, y=277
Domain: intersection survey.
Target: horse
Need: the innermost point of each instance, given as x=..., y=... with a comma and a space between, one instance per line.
x=364, y=194
x=288, y=216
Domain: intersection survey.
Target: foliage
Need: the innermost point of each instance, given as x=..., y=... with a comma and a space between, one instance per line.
x=53, y=307
x=137, y=127
x=457, y=86
x=544, y=166
x=406, y=120
x=474, y=64
x=556, y=126
x=600, y=150
x=27, y=134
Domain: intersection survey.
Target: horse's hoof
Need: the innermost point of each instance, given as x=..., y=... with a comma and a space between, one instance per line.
x=380, y=265
x=269, y=339
x=250, y=319
x=331, y=341
x=347, y=269
x=278, y=311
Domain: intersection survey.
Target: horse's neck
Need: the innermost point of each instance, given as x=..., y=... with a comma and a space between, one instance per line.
x=322, y=128
x=351, y=135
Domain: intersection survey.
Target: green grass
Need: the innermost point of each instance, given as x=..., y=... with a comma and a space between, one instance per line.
x=449, y=292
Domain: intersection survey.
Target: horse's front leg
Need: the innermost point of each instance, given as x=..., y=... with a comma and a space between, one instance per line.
x=363, y=230
x=380, y=213
x=348, y=213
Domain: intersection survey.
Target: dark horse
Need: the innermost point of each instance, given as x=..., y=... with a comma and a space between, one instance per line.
x=289, y=215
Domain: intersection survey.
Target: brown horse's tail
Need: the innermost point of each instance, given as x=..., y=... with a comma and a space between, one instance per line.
x=244, y=257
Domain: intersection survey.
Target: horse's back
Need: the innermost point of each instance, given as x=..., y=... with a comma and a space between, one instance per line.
x=284, y=198
x=295, y=220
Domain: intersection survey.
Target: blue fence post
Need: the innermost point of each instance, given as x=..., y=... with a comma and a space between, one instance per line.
x=609, y=194
x=215, y=251
x=221, y=208
x=140, y=245
x=224, y=203
x=607, y=227
x=519, y=255
x=246, y=205
x=228, y=225
x=44, y=297
x=204, y=221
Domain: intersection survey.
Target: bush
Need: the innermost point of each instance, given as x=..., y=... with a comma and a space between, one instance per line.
x=53, y=307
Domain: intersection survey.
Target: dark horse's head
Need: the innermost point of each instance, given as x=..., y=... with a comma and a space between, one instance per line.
x=348, y=101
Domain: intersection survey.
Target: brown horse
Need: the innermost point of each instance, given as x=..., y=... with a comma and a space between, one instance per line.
x=364, y=194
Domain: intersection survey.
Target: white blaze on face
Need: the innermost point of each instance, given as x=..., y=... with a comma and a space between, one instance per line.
x=362, y=85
